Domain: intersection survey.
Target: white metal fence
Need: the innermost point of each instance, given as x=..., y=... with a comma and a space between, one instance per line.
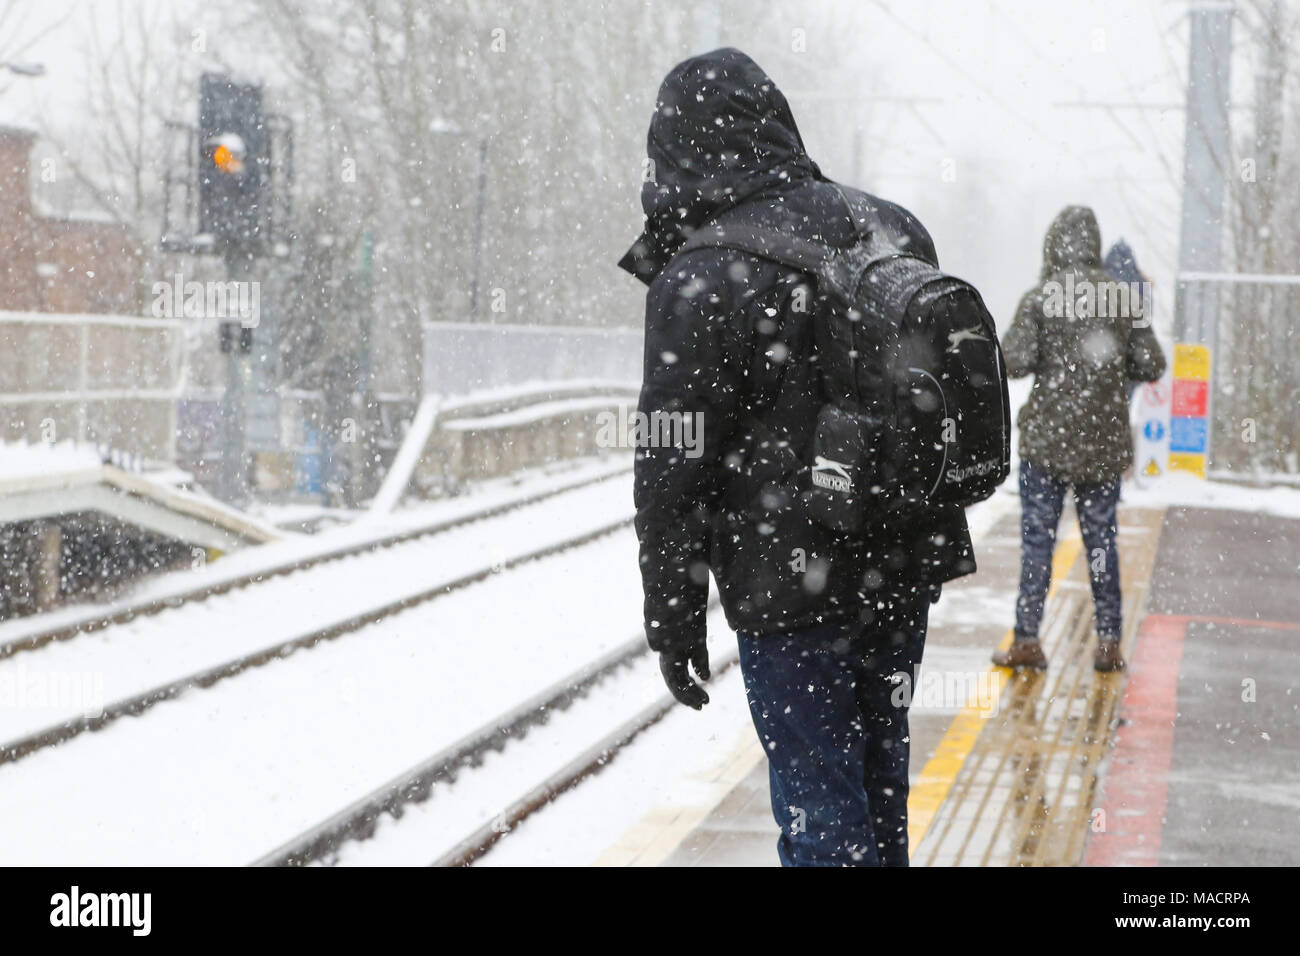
x=107, y=379
x=464, y=357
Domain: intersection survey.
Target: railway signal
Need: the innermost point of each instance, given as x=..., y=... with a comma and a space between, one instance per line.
x=234, y=160
x=227, y=193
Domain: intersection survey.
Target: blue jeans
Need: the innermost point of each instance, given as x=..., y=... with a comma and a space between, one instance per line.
x=832, y=716
x=1042, y=498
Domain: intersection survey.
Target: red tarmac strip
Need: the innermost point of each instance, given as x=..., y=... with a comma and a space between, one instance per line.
x=1137, y=783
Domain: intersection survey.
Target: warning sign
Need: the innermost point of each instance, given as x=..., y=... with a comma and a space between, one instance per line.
x=1184, y=462
x=1188, y=435
x=1152, y=430
x=1191, y=397
x=1189, y=423
x=1156, y=393
x=1191, y=362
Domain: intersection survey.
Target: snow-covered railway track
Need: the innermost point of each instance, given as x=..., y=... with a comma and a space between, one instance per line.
x=142, y=688
x=136, y=704
x=590, y=762
x=223, y=775
x=128, y=611
x=506, y=735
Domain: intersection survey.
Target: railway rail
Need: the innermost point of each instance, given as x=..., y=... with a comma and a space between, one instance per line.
x=127, y=611
x=27, y=743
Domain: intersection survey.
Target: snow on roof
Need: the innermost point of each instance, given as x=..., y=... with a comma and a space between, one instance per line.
x=20, y=460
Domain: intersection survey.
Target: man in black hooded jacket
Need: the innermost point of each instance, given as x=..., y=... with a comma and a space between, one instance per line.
x=831, y=627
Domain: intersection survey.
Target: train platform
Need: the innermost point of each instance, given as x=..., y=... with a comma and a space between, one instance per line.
x=49, y=482
x=1157, y=765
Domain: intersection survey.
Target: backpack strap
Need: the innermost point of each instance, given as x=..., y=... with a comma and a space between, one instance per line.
x=785, y=249
x=867, y=225
x=836, y=268
x=789, y=250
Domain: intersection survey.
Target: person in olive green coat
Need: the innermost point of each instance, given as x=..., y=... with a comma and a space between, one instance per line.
x=1084, y=337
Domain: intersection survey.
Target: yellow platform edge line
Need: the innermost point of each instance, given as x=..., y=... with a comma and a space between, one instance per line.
x=663, y=828
x=940, y=772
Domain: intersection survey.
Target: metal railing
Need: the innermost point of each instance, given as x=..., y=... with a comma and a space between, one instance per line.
x=466, y=357
x=108, y=379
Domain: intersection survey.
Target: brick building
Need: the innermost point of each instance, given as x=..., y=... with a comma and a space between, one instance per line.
x=77, y=358
x=49, y=264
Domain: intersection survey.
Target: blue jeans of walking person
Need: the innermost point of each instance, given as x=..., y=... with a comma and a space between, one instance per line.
x=830, y=708
x=1042, y=498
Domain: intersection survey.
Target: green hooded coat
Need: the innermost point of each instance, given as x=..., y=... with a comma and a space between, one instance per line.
x=1082, y=337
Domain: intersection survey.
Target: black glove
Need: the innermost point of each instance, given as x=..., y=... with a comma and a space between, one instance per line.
x=936, y=590
x=672, y=664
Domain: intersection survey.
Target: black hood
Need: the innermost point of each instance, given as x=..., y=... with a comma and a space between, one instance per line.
x=721, y=132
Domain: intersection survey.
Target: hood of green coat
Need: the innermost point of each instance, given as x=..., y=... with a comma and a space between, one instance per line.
x=1073, y=241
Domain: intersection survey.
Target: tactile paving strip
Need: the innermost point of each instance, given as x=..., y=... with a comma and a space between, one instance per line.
x=1025, y=793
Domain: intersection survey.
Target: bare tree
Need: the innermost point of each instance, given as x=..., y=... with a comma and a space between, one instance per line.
x=1259, y=350
x=19, y=34
x=111, y=156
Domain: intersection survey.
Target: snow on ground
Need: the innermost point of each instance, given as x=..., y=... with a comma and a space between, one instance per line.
x=1182, y=489
x=253, y=559
x=426, y=830
x=224, y=775
x=659, y=768
x=143, y=653
x=662, y=767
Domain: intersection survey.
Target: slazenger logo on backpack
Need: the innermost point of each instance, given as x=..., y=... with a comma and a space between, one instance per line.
x=831, y=475
x=956, y=475
x=962, y=335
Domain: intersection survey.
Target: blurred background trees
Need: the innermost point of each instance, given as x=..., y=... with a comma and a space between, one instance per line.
x=1257, y=401
x=481, y=161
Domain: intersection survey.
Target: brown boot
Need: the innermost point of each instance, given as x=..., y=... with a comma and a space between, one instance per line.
x=1022, y=654
x=1108, y=658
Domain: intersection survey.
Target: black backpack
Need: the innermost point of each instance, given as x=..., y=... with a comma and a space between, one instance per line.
x=917, y=414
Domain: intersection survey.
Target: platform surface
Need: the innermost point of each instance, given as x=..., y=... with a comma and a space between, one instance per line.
x=1189, y=758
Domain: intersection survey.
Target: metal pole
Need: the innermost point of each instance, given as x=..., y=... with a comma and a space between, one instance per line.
x=234, y=456
x=364, y=467
x=479, y=203
x=1206, y=154
x=708, y=25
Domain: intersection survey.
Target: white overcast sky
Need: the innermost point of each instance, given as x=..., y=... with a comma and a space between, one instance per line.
x=995, y=79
